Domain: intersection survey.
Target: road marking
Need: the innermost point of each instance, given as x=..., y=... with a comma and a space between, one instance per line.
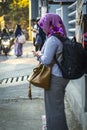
x=14, y=79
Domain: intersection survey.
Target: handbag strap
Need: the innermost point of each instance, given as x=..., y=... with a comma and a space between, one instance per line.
x=29, y=91
x=61, y=38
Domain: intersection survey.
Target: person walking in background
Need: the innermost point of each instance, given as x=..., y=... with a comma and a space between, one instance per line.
x=34, y=31
x=4, y=33
x=3, y=36
x=18, y=48
x=40, y=37
x=43, y=37
x=54, y=97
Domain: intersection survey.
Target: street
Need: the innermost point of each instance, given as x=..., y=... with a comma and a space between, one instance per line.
x=17, y=111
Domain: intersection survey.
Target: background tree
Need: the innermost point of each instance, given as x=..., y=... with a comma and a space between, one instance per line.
x=19, y=13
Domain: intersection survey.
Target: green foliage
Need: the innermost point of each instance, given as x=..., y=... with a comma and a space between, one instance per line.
x=20, y=12
x=16, y=12
x=4, y=7
x=23, y=3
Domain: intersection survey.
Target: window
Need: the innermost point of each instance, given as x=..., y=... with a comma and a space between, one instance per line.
x=59, y=11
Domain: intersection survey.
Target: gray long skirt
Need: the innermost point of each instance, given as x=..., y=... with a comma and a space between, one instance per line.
x=54, y=104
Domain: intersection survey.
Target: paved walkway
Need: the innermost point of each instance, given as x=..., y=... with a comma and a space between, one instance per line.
x=17, y=111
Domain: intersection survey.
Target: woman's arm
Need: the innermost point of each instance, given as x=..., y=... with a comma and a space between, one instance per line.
x=50, y=48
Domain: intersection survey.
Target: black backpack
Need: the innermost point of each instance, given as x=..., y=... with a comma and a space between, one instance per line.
x=72, y=65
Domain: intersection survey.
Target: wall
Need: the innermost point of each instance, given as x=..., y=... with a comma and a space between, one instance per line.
x=52, y=8
x=75, y=92
x=76, y=89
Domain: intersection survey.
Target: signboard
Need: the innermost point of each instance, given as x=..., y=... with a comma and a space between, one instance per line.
x=64, y=0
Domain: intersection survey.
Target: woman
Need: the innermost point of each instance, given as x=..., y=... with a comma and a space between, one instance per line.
x=18, y=46
x=54, y=98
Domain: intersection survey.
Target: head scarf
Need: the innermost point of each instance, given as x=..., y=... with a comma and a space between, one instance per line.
x=51, y=24
x=18, y=30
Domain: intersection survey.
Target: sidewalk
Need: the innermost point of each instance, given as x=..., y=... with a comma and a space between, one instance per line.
x=21, y=114
x=25, y=114
x=17, y=111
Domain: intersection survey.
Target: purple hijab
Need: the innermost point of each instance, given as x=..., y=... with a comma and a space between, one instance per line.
x=51, y=24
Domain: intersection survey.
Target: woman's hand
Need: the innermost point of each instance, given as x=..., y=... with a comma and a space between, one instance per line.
x=36, y=54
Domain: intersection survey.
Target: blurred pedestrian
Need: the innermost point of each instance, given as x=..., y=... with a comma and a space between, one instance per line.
x=18, y=47
x=54, y=97
x=40, y=37
x=4, y=33
x=84, y=42
x=34, y=31
x=43, y=37
x=0, y=42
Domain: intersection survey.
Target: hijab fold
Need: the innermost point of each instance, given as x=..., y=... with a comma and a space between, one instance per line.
x=51, y=24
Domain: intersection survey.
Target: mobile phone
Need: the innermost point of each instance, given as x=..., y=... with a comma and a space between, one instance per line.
x=33, y=51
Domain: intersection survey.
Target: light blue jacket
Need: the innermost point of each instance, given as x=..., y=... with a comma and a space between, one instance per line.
x=51, y=47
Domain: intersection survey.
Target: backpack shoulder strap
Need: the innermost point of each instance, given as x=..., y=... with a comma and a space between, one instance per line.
x=62, y=39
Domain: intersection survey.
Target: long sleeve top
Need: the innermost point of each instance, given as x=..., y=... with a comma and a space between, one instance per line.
x=52, y=47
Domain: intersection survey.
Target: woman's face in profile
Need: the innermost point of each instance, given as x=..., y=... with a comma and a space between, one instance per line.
x=45, y=32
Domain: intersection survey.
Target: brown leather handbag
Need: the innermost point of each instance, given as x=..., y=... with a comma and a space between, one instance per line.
x=40, y=77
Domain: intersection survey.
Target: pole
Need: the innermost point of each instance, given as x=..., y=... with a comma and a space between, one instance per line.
x=30, y=32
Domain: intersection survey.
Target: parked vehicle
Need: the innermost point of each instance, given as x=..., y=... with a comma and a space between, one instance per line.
x=12, y=38
x=5, y=44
